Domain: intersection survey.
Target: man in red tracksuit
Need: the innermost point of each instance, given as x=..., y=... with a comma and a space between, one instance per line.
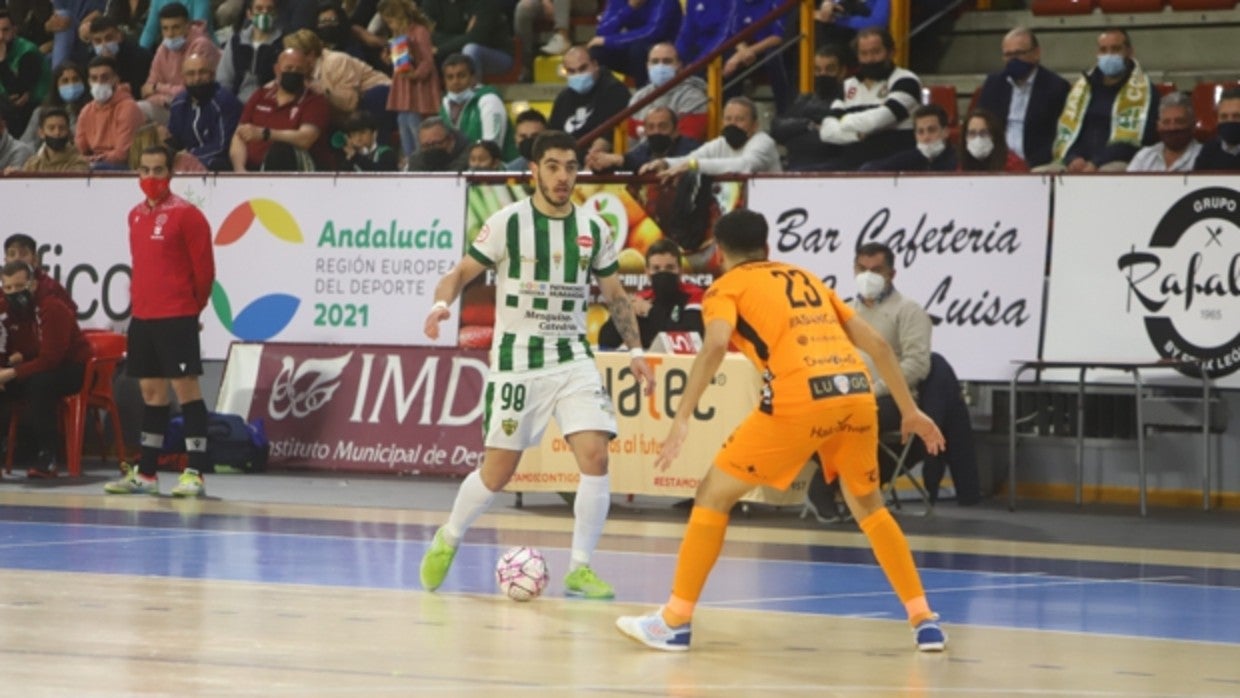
x=44, y=359
x=21, y=247
x=173, y=270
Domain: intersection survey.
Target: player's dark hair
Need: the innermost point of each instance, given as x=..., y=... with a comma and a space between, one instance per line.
x=552, y=140
x=742, y=232
x=663, y=246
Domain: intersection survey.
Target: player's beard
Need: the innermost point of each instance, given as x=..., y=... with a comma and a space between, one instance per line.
x=550, y=196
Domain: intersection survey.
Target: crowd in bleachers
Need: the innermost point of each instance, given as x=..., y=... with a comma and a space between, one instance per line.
x=388, y=85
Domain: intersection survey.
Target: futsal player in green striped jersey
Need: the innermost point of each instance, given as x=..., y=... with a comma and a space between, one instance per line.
x=545, y=252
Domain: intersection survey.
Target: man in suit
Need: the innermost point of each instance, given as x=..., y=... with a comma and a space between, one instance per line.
x=1026, y=96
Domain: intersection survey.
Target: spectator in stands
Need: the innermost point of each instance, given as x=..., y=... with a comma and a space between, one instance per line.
x=1222, y=153
x=24, y=75
x=984, y=149
x=688, y=99
x=628, y=32
x=667, y=304
x=835, y=24
x=133, y=63
x=741, y=149
x=57, y=153
x=1026, y=96
x=749, y=52
x=874, y=119
x=107, y=125
x=65, y=24
x=130, y=17
x=46, y=360
x=473, y=109
x=931, y=154
x=283, y=125
x=13, y=153
x=530, y=123
x=181, y=38
x=68, y=92
x=361, y=151
x=415, y=91
x=152, y=134
x=797, y=128
x=477, y=28
x=662, y=140
x=706, y=24
x=1176, y=149
x=527, y=12
x=31, y=17
x=249, y=59
x=440, y=149
x=485, y=156
x=347, y=83
x=152, y=32
x=339, y=33
x=592, y=96
x=204, y=116
x=1110, y=112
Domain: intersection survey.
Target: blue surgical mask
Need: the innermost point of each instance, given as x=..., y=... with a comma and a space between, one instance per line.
x=72, y=92
x=175, y=44
x=660, y=73
x=108, y=48
x=581, y=83
x=1111, y=64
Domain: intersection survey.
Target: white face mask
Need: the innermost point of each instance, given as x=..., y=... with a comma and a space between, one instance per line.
x=101, y=91
x=932, y=150
x=870, y=284
x=980, y=147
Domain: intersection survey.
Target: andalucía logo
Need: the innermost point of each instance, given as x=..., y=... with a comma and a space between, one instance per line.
x=267, y=315
x=1188, y=282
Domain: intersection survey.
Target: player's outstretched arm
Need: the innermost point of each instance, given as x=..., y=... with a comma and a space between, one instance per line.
x=912, y=419
x=447, y=290
x=705, y=366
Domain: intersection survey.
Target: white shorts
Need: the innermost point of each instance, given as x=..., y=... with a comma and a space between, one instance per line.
x=519, y=406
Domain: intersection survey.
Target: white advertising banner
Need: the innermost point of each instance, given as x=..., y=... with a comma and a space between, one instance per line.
x=1147, y=268
x=971, y=250
x=352, y=260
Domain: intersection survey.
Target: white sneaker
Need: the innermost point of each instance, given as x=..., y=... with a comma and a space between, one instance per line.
x=556, y=46
x=652, y=631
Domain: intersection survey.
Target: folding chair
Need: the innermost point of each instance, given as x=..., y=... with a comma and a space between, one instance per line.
x=905, y=456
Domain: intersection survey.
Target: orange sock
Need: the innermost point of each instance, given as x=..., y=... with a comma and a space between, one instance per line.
x=698, y=552
x=891, y=548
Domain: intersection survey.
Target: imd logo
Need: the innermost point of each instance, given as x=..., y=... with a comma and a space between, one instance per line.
x=267, y=315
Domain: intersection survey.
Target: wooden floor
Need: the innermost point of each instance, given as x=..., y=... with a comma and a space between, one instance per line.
x=146, y=597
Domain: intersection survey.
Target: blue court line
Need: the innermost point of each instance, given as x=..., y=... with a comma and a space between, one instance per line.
x=352, y=555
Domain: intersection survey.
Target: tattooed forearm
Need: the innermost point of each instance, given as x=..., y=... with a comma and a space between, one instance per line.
x=625, y=320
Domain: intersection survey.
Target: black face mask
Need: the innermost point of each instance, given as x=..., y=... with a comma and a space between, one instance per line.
x=526, y=148
x=660, y=143
x=875, y=71
x=735, y=136
x=1017, y=69
x=21, y=304
x=56, y=144
x=436, y=159
x=332, y=36
x=666, y=287
x=293, y=83
x=201, y=93
x=1229, y=132
x=826, y=87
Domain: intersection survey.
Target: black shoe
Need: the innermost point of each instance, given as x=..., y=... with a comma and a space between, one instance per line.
x=44, y=467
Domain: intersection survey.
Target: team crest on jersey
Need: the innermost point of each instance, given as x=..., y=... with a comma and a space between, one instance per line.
x=557, y=258
x=160, y=220
x=509, y=426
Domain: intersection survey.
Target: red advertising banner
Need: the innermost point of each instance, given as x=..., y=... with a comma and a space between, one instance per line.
x=387, y=409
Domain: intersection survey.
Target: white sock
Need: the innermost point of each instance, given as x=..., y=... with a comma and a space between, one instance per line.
x=472, y=499
x=590, y=512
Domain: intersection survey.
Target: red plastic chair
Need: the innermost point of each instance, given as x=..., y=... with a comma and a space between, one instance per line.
x=1181, y=5
x=1164, y=88
x=109, y=349
x=944, y=96
x=1205, y=102
x=1130, y=6
x=1062, y=7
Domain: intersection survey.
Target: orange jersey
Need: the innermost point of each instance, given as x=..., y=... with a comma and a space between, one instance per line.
x=790, y=325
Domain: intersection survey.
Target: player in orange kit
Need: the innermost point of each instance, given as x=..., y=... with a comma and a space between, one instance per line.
x=816, y=399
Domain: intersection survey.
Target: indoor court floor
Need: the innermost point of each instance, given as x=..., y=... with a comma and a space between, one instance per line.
x=301, y=585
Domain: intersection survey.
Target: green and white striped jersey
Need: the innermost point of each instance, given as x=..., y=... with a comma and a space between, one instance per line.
x=542, y=282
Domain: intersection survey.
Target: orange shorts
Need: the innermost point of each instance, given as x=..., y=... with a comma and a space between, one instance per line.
x=771, y=451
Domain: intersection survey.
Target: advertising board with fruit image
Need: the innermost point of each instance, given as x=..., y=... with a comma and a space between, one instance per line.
x=635, y=210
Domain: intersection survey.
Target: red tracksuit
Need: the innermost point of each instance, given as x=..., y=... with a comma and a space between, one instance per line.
x=173, y=264
x=48, y=340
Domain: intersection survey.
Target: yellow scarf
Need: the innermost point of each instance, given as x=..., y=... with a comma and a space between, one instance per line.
x=1129, y=112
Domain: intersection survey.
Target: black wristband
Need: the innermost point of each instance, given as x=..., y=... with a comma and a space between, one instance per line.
x=266, y=134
